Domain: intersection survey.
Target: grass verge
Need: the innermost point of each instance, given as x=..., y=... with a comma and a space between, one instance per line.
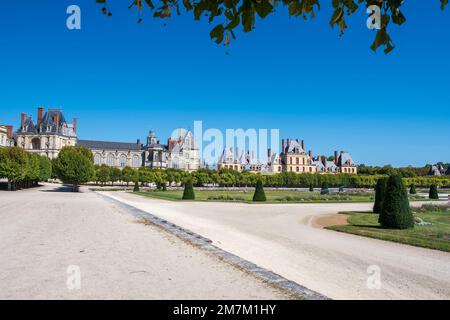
x=435, y=236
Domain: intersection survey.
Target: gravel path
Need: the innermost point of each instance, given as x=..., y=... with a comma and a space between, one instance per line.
x=43, y=232
x=285, y=239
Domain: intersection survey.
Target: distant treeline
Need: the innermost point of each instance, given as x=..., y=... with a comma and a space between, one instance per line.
x=405, y=172
x=74, y=165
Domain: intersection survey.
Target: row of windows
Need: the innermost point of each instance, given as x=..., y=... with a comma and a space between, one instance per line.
x=111, y=160
x=297, y=169
x=297, y=161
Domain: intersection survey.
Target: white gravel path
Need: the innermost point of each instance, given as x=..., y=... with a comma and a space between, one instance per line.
x=282, y=238
x=42, y=233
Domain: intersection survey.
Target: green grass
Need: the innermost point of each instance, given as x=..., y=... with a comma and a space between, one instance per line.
x=434, y=236
x=273, y=196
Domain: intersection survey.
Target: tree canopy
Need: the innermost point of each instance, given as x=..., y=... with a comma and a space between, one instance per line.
x=75, y=165
x=228, y=15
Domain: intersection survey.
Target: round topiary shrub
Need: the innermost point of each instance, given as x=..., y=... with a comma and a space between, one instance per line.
x=259, y=195
x=188, y=193
x=413, y=190
x=380, y=190
x=136, y=187
x=396, y=212
x=433, y=192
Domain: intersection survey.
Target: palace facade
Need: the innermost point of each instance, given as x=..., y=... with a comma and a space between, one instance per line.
x=293, y=158
x=51, y=132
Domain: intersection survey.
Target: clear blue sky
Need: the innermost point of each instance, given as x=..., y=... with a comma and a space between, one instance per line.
x=120, y=78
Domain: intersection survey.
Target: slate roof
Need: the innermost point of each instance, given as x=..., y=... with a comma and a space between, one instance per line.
x=47, y=123
x=108, y=145
x=345, y=160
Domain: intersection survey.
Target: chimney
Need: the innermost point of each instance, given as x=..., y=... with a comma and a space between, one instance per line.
x=23, y=118
x=40, y=114
x=56, y=120
x=288, y=143
x=269, y=153
x=138, y=142
x=324, y=160
x=180, y=133
x=297, y=147
x=237, y=154
x=283, y=146
x=310, y=154
x=75, y=125
x=336, y=157
x=9, y=131
x=303, y=145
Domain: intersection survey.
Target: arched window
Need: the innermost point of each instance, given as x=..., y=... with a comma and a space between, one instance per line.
x=123, y=161
x=136, y=161
x=110, y=160
x=97, y=159
x=35, y=144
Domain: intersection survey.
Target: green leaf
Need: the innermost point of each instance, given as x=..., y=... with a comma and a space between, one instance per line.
x=217, y=33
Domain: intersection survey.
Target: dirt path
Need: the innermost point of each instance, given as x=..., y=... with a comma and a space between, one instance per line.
x=282, y=238
x=43, y=232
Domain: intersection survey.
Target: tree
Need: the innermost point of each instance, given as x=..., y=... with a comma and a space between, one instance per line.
x=396, y=212
x=136, y=187
x=103, y=174
x=324, y=189
x=45, y=168
x=231, y=14
x=433, y=192
x=188, y=193
x=129, y=175
x=380, y=190
x=74, y=165
x=413, y=190
x=13, y=165
x=115, y=175
x=259, y=195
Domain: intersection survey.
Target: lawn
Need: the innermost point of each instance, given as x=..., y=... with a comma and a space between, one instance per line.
x=273, y=196
x=434, y=236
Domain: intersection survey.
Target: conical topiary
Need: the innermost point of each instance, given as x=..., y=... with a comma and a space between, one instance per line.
x=259, y=195
x=311, y=187
x=324, y=189
x=380, y=190
x=396, y=212
x=433, y=192
x=188, y=193
x=136, y=187
x=413, y=190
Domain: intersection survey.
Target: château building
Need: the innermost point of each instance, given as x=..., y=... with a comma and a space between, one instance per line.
x=48, y=135
x=293, y=158
x=6, y=136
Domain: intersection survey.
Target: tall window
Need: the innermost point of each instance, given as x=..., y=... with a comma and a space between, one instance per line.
x=110, y=160
x=36, y=144
x=97, y=159
x=136, y=162
x=123, y=161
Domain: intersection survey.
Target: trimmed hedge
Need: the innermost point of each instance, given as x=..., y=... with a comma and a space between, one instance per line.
x=433, y=192
x=380, y=191
x=259, y=195
x=396, y=212
x=188, y=193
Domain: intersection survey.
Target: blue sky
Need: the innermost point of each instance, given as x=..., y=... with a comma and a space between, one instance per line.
x=120, y=78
